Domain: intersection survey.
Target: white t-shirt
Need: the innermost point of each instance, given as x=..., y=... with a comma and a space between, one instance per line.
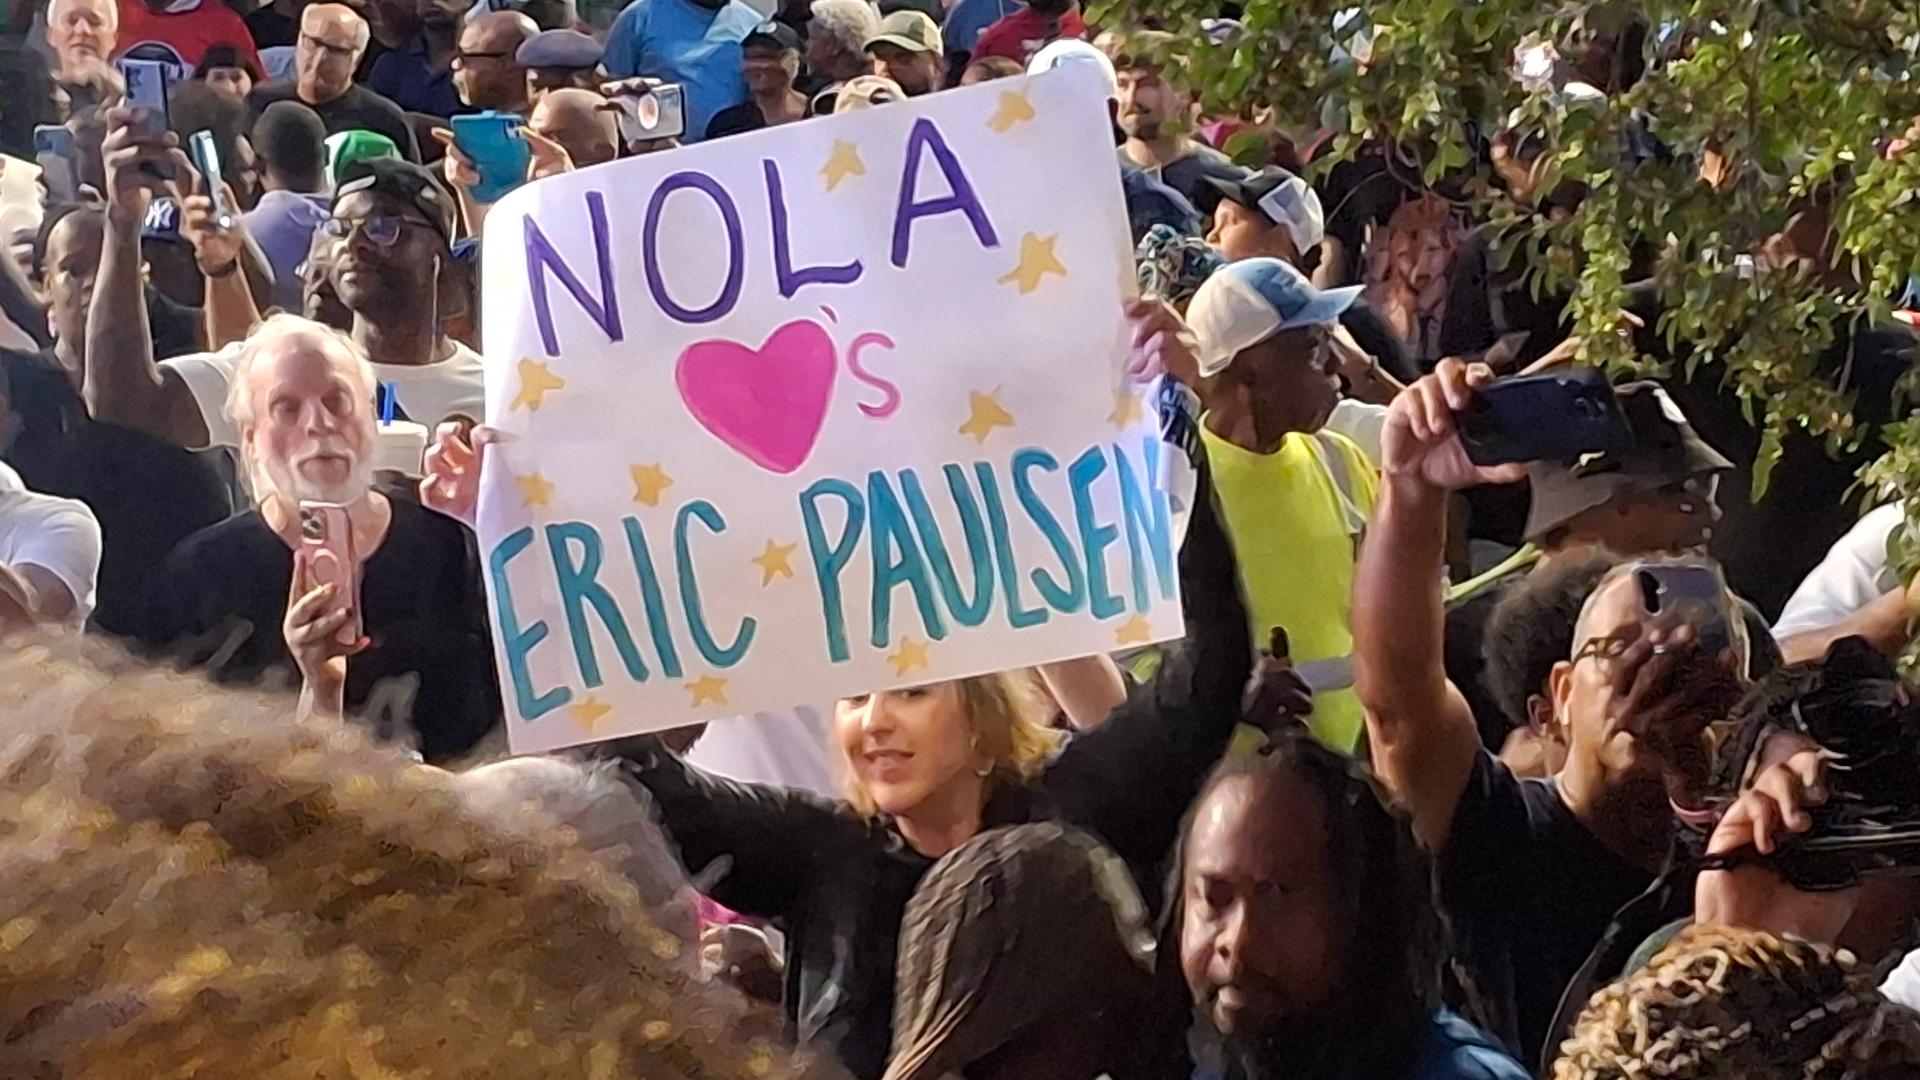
x=60, y=536
x=785, y=749
x=1365, y=424
x=1903, y=982
x=427, y=393
x=1854, y=574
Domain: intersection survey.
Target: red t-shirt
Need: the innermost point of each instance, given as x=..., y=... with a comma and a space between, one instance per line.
x=1019, y=35
x=182, y=38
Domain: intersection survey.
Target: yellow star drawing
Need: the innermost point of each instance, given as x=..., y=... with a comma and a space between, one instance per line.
x=649, y=482
x=1135, y=631
x=535, y=490
x=1014, y=110
x=589, y=711
x=1126, y=409
x=984, y=413
x=536, y=380
x=708, y=690
x=842, y=163
x=1037, y=260
x=774, y=562
x=912, y=654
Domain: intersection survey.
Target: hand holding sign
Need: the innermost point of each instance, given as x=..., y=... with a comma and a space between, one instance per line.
x=818, y=410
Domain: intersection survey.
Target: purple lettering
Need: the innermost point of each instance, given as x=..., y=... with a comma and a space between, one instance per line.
x=736, y=248
x=923, y=139
x=792, y=280
x=543, y=257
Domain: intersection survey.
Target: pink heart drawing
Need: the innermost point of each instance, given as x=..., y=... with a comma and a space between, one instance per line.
x=767, y=404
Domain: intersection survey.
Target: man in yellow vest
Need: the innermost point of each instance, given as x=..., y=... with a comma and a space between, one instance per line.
x=1293, y=497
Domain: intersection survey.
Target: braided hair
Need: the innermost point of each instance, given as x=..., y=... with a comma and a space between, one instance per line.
x=1390, y=957
x=1722, y=1002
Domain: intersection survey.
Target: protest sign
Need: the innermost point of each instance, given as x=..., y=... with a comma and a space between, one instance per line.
x=832, y=407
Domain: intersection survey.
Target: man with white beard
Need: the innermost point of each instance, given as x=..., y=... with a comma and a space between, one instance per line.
x=278, y=592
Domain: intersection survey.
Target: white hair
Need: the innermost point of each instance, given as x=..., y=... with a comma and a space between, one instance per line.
x=847, y=23
x=267, y=342
x=111, y=8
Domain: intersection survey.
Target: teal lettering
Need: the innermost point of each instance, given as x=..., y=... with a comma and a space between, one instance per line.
x=579, y=590
x=1144, y=507
x=1071, y=597
x=1095, y=538
x=710, y=651
x=650, y=595
x=897, y=561
x=967, y=610
x=830, y=560
x=1019, y=616
x=519, y=642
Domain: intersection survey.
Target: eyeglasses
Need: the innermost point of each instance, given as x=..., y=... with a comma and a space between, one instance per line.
x=462, y=56
x=382, y=229
x=328, y=46
x=1604, y=648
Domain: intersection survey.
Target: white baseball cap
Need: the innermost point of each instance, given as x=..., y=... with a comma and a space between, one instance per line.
x=1244, y=303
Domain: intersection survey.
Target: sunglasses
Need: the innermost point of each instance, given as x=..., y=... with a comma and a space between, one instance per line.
x=382, y=229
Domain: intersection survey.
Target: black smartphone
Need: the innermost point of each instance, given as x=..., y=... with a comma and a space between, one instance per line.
x=1694, y=595
x=59, y=162
x=1556, y=416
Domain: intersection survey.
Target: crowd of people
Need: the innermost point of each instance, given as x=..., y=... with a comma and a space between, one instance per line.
x=1598, y=767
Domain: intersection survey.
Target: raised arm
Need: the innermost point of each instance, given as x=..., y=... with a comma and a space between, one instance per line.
x=1131, y=780
x=123, y=384
x=1419, y=727
x=772, y=838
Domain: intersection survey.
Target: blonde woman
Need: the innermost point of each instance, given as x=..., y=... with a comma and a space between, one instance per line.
x=927, y=768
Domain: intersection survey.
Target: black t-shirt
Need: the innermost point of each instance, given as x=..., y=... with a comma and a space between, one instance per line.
x=1356, y=195
x=359, y=107
x=147, y=494
x=220, y=600
x=1530, y=892
x=1485, y=302
x=736, y=119
x=270, y=28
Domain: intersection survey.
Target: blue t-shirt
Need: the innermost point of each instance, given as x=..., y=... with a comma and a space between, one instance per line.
x=1456, y=1050
x=968, y=20
x=678, y=41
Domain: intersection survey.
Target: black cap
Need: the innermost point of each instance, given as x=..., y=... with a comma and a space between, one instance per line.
x=402, y=180
x=774, y=34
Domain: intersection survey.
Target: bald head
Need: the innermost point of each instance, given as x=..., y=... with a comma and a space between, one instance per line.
x=581, y=121
x=332, y=38
x=485, y=71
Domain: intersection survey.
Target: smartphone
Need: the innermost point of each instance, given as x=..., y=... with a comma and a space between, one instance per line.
x=148, y=85
x=661, y=114
x=327, y=538
x=206, y=158
x=1694, y=595
x=491, y=140
x=59, y=164
x=1554, y=416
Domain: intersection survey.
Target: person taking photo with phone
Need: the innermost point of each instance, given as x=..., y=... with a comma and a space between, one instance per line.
x=390, y=264
x=1530, y=872
x=373, y=604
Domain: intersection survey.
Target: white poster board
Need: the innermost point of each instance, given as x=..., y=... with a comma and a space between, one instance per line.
x=828, y=408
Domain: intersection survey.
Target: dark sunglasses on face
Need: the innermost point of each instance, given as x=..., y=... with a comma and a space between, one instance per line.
x=462, y=56
x=382, y=229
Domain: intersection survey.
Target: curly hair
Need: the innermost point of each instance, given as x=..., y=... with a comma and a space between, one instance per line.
x=1720, y=1002
x=200, y=886
x=1532, y=628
